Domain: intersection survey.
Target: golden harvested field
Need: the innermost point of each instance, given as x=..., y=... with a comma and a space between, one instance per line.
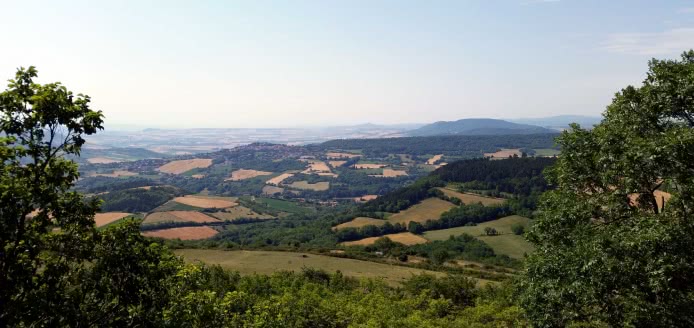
x=504, y=153
x=271, y=190
x=184, y=233
x=304, y=185
x=428, y=209
x=369, y=166
x=102, y=219
x=278, y=179
x=469, y=198
x=178, y=167
x=390, y=173
x=405, y=238
x=506, y=243
x=243, y=174
x=360, y=222
x=115, y=174
x=178, y=216
x=231, y=214
x=434, y=159
x=365, y=198
x=336, y=163
x=341, y=155
x=102, y=160
x=268, y=262
x=206, y=202
x=315, y=166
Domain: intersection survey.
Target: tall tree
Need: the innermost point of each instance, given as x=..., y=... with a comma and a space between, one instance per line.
x=608, y=252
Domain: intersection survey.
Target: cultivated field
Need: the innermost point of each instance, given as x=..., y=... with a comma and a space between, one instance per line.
x=304, y=185
x=206, y=202
x=405, y=238
x=336, y=163
x=390, y=173
x=178, y=216
x=178, y=167
x=115, y=174
x=369, y=166
x=546, y=152
x=503, y=153
x=365, y=198
x=268, y=262
x=243, y=174
x=102, y=219
x=271, y=190
x=315, y=166
x=360, y=222
x=102, y=160
x=197, y=176
x=428, y=209
x=185, y=233
x=278, y=179
x=469, y=198
x=237, y=212
x=506, y=243
x=341, y=155
x=434, y=159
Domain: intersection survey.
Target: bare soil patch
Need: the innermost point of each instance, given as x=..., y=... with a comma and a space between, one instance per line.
x=369, y=166
x=178, y=216
x=115, y=174
x=434, y=159
x=341, y=155
x=271, y=190
x=102, y=160
x=390, y=173
x=365, y=198
x=469, y=198
x=360, y=222
x=184, y=233
x=278, y=179
x=336, y=163
x=504, y=153
x=304, y=185
x=428, y=209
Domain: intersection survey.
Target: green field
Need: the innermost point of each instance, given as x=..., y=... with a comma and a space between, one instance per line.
x=267, y=262
x=506, y=243
x=279, y=205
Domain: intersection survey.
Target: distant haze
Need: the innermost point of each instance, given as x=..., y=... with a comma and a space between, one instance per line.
x=234, y=64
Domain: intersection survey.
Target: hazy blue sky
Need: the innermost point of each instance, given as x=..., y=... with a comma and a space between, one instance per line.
x=301, y=63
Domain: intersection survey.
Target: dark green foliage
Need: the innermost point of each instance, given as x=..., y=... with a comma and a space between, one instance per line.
x=461, y=247
x=415, y=227
x=104, y=184
x=138, y=200
x=463, y=146
x=518, y=229
x=465, y=214
x=489, y=231
x=404, y=197
x=602, y=259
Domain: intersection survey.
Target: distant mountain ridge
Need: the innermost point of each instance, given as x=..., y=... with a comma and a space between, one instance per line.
x=560, y=121
x=477, y=126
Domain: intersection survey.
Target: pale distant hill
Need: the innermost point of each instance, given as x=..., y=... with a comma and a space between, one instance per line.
x=477, y=126
x=560, y=121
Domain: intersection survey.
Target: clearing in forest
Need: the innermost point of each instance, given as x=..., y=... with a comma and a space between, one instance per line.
x=268, y=262
x=206, y=202
x=390, y=173
x=405, y=238
x=469, y=198
x=181, y=166
x=244, y=174
x=305, y=185
x=341, y=155
x=434, y=159
x=360, y=222
x=504, y=153
x=428, y=209
x=365, y=198
x=184, y=233
x=102, y=219
x=178, y=216
x=238, y=212
x=505, y=243
x=369, y=166
x=271, y=190
x=661, y=198
x=337, y=163
x=278, y=179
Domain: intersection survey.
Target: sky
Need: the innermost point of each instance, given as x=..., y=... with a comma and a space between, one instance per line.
x=293, y=63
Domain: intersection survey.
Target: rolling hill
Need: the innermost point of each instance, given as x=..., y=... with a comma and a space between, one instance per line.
x=477, y=126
